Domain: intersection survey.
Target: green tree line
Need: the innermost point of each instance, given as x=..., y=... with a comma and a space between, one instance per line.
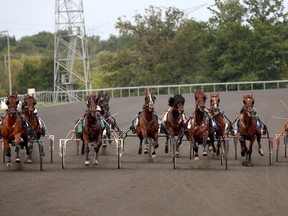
x=242, y=41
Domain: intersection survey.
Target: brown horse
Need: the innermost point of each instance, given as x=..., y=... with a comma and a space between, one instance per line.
x=28, y=108
x=200, y=125
x=148, y=124
x=248, y=130
x=218, y=117
x=174, y=120
x=92, y=129
x=35, y=129
x=12, y=129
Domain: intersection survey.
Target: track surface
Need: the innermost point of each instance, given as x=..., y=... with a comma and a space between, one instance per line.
x=142, y=187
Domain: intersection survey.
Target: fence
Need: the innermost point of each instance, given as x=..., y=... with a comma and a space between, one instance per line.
x=78, y=95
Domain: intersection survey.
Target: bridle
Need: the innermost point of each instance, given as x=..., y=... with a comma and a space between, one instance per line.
x=25, y=106
x=200, y=103
x=92, y=105
x=103, y=102
x=12, y=105
x=248, y=105
x=149, y=102
x=214, y=104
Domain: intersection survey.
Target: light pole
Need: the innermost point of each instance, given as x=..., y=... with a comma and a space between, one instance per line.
x=8, y=53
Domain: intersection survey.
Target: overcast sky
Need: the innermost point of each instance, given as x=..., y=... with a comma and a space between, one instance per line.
x=28, y=17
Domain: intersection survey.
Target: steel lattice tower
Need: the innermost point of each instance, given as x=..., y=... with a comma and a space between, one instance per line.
x=71, y=59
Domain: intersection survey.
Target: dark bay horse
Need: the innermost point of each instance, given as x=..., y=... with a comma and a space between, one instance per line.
x=148, y=125
x=174, y=120
x=247, y=129
x=110, y=122
x=12, y=129
x=28, y=108
x=35, y=129
x=92, y=129
x=200, y=125
x=218, y=116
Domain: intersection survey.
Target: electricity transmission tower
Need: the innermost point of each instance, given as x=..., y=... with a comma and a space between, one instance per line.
x=71, y=59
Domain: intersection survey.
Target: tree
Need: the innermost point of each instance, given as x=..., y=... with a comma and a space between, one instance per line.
x=150, y=34
x=37, y=73
x=247, y=41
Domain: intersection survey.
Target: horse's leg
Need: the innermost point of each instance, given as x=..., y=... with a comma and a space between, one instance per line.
x=28, y=148
x=87, y=150
x=243, y=146
x=155, y=145
x=7, y=150
x=166, y=144
x=178, y=143
x=96, y=159
x=82, y=149
x=146, y=151
x=205, y=135
x=17, y=147
x=260, y=150
x=140, y=146
x=195, y=148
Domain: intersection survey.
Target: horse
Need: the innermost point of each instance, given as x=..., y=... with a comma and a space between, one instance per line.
x=148, y=125
x=92, y=129
x=12, y=129
x=110, y=122
x=200, y=125
x=219, y=118
x=28, y=109
x=174, y=120
x=35, y=129
x=248, y=130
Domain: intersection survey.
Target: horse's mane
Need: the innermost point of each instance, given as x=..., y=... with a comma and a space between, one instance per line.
x=178, y=98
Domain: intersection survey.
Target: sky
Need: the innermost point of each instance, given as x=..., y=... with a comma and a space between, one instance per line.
x=29, y=17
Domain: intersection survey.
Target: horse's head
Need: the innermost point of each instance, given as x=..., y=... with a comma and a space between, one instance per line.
x=91, y=102
x=29, y=103
x=103, y=102
x=200, y=99
x=248, y=102
x=149, y=100
x=214, y=102
x=177, y=102
x=12, y=102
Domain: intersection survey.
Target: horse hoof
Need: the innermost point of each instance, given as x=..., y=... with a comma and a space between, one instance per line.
x=242, y=153
x=261, y=152
x=9, y=164
x=104, y=145
x=17, y=160
x=156, y=145
x=177, y=154
x=87, y=163
x=247, y=164
x=140, y=151
x=210, y=148
x=204, y=154
x=166, y=149
x=153, y=156
x=196, y=158
x=146, y=151
x=29, y=161
x=95, y=162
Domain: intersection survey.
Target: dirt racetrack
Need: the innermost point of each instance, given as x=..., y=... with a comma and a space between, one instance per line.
x=142, y=188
